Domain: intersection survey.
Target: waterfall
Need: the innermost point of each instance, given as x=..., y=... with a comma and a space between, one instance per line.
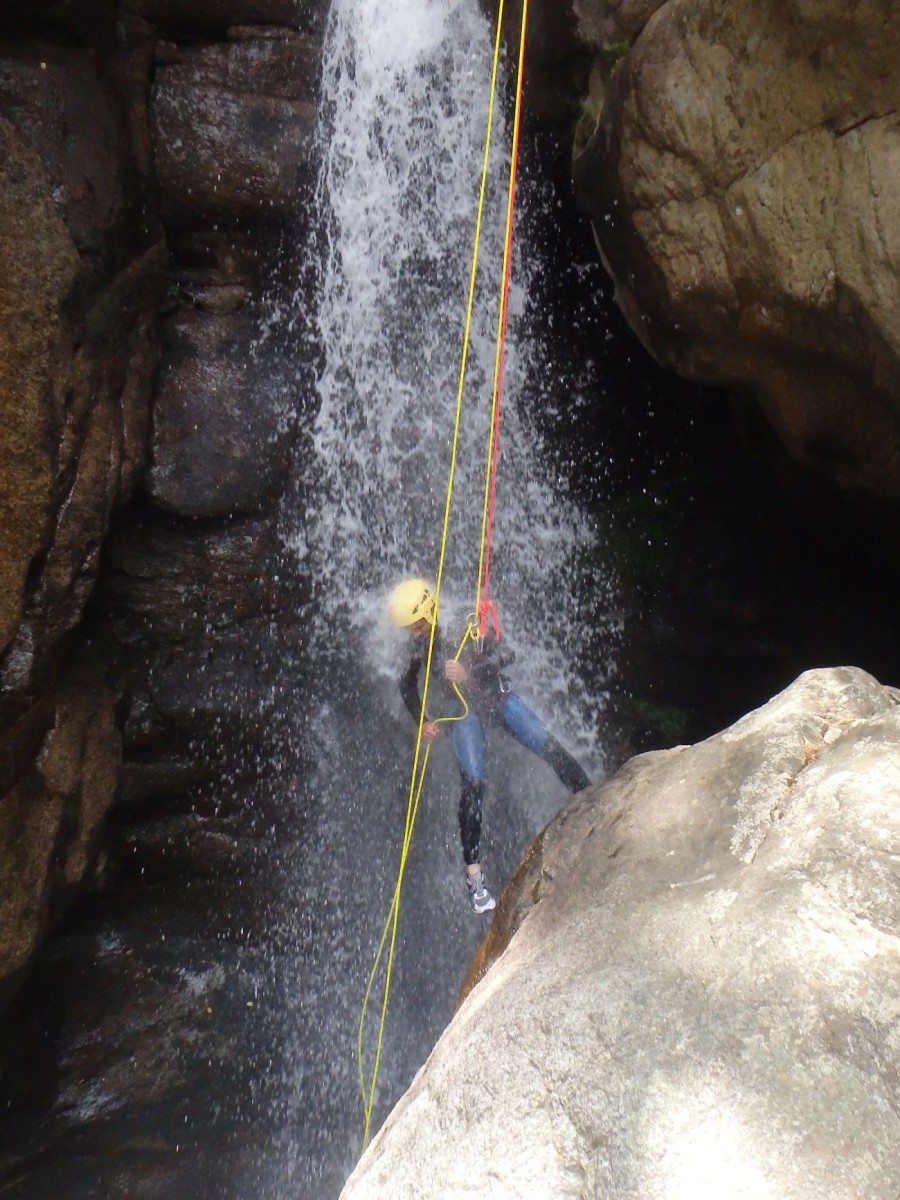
x=404, y=103
x=405, y=99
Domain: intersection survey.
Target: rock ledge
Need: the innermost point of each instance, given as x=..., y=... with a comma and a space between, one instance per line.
x=690, y=986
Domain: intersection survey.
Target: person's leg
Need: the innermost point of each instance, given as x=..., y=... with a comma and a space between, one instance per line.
x=530, y=731
x=471, y=798
x=525, y=726
x=469, y=748
x=569, y=773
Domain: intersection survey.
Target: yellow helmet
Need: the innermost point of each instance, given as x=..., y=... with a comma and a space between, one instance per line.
x=412, y=601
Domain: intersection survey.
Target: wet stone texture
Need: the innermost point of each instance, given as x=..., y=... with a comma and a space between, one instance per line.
x=690, y=985
x=150, y=160
x=192, y=585
x=140, y=1053
x=219, y=441
x=232, y=121
x=82, y=269
x=736, y=162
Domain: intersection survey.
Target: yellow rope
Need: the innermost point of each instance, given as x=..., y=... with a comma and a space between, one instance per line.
x=395, y=902
x=417, y=780
x=390, y=925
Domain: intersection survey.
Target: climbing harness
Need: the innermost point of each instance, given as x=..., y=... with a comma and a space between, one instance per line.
x=485, y=610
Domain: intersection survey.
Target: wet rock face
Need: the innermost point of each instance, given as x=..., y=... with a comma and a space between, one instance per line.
x=191, y=587
x=232, y=121
x=232, y=124
x=149, y=160
x=57, y=785
x=689, y=986
x=220, y=417
x=32, y=298
x=213, y=17
x=738, y=179
x=78, y=357
x=151, y=1023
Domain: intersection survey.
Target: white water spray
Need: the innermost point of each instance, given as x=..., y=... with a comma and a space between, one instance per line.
x=405, y=92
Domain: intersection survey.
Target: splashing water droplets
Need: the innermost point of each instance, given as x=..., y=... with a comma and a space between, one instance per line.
x=402, y=141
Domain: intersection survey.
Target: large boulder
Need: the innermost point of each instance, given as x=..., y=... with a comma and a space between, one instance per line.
x=739, y=164
x=690, y=987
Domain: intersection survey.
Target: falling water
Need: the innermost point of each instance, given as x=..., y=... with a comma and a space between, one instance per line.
x=405, y=99
x=405, y=93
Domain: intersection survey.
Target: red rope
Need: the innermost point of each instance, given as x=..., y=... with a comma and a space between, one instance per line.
x=488, y=608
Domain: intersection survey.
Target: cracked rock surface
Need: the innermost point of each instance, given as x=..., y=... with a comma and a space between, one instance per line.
x=690, y=986
x=151, y=157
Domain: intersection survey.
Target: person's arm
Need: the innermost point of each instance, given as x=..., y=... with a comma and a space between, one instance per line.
x=409, y=687
x=409, y=690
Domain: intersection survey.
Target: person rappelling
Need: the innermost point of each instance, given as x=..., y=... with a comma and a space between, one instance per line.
x=487, y=699
x=490, y=702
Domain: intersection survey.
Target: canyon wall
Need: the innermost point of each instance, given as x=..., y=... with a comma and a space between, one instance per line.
x=154, y=158
x=83, y=259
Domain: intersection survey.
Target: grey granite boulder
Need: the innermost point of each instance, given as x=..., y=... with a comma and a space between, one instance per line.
x=691, y=986
x=739, y=162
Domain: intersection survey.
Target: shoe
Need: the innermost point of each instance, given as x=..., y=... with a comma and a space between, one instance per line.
x=479, y=897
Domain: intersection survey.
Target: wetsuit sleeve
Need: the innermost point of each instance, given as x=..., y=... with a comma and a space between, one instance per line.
x=409, y=687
